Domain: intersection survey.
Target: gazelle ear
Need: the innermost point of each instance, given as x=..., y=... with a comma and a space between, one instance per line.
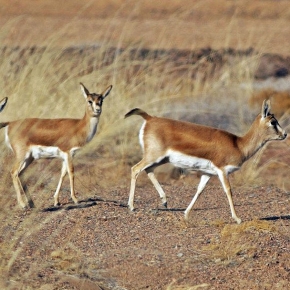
x=266, y=108
x=106, y=91
x=3, y=103
x=85, y=91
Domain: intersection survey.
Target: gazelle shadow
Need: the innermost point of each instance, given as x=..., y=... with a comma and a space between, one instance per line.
x=85, y=203
x=183, y=209
x=274, y=218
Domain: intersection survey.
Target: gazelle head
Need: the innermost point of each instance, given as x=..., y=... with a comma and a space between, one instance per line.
x=274, y=130
x=95, y=101
x=3, y=103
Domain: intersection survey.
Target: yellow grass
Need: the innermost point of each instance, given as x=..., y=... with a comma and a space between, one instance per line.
x=238, y=241
x=44, y=82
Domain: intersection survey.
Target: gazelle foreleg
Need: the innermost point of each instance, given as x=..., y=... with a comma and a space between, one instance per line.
x=227, y=188
x=70, y=171
x=62, y=175
x=202, y=183
x=67, y=167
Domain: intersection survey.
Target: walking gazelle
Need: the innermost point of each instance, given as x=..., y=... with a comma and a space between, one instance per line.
x=32, y=139
x=200, y=148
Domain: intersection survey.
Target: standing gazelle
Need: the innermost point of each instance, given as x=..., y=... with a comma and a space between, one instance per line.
x=32, y=139
x=207, y=150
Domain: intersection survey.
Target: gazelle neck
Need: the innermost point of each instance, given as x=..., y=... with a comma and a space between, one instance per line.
x=91, y=124
x=252, y=141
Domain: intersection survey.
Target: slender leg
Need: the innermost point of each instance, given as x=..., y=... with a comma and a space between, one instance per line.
x=202, y=183
x=135, y=170
x=18, y=188
x=18, y=168
x=227, y=188
x=70, y=170
x=62, y=175
x=148, y=165
x=157, y=185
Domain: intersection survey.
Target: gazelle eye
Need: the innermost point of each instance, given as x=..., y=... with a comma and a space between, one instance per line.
x=90, y=102
x=273, y=122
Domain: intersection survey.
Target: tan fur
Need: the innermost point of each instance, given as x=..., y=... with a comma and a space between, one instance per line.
x=32, y=139
x=208, y=150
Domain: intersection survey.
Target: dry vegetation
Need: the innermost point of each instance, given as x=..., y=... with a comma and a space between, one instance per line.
x=202, y=61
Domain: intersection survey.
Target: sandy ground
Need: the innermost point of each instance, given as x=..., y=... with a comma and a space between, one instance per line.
x=99, y=244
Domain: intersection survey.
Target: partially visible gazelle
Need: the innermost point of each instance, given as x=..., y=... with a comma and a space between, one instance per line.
x=195, y=147
x=3, y=103
x=32, y=139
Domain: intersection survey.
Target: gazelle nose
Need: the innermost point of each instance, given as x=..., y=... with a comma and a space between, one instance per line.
x=285, y=135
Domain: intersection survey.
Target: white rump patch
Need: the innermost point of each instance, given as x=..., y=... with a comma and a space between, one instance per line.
x=141, y=135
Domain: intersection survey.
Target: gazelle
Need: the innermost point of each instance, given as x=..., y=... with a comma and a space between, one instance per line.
x=3, y=103
x=32, y=139
x=195, y=147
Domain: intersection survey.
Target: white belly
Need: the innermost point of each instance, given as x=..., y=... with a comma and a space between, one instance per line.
x=181, y=160
x=39, y=151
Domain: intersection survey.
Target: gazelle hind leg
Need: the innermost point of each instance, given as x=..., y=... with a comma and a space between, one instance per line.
x=18, y=188
x=202, y=183
x=18, y=168
x=157, y=185
x=148, y=165
x=135, y=170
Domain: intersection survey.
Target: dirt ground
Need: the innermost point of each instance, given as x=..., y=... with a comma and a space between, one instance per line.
x=100, y=244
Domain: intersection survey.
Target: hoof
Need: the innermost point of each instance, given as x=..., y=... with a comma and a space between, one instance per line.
x=165, y=204
x=131, y=208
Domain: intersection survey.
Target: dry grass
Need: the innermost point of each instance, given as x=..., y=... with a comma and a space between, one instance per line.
x=172, y=286
x=243, y=24
x=43, y=82
x=238, y=241
x=47, y=80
